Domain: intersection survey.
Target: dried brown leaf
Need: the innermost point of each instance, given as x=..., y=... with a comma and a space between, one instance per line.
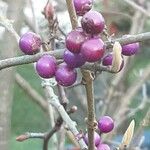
x=117, y=58
x=128, y=135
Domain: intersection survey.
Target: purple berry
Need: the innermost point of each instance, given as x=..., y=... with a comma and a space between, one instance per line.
x=93, y=22
x=130, y=49
x=103, y=147
x=65, y=76
x=73, y=60
x=30, y=43
x=74, y=40
x=105, y=124
x=46, y=66
x=97, y=138
x=93, y=49
x=107, y=61
x=82, y=6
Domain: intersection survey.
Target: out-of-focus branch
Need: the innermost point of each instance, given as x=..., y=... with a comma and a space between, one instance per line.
x=36, y=97
x=34, y=16
x=142, y=105
x=8, y=24
x=132, y=90
x=29, y=23
x=119, y=79
x=137, y=7
x=20, y=60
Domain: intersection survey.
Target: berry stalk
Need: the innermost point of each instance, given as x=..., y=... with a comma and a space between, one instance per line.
x=58, y=54
x=91, y=109
x=88, y=84
x=72, y=13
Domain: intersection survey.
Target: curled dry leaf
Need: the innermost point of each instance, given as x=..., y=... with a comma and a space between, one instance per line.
x=128, y=135
x=117, y=58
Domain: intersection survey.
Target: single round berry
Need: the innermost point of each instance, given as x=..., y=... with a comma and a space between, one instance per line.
x=46, y=66
x=107, y=61
x=105, y=124
x=103, y=147
x=93, y=22
x=74, y=40
x=82, y=6
x=93, y=49
x=130, y=49
x=97, y=138
x=73, y=60
x=65, y=76
x=30, y=43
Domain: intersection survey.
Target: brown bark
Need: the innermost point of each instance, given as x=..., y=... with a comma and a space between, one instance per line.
x=8, y=46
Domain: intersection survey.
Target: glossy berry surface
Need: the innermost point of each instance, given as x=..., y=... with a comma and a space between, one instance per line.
x=73, y=60
x=97, y=138
x=130, y=49
x=30, y=43
x=82, y=6
x=107, y=61
x=93, y=22
x=105, y=124
x=74, y=40
x=93, y=49
x=103, y=147
x=65, y=76
x=46, y=66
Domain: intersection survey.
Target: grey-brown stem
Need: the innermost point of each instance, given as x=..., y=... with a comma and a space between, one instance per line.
x=26, y=59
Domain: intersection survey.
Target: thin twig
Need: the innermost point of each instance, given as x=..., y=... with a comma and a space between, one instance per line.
x=30, y=135
x=133, y=90
x=137, y=7
x=54, y=101
x=61, y=31
x=72, y=14
x=8, y=24
x=62, y=93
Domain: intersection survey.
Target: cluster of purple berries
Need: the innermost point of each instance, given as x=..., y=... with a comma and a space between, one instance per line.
x=82, y=45
x=46, y=66
x=105, y=125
